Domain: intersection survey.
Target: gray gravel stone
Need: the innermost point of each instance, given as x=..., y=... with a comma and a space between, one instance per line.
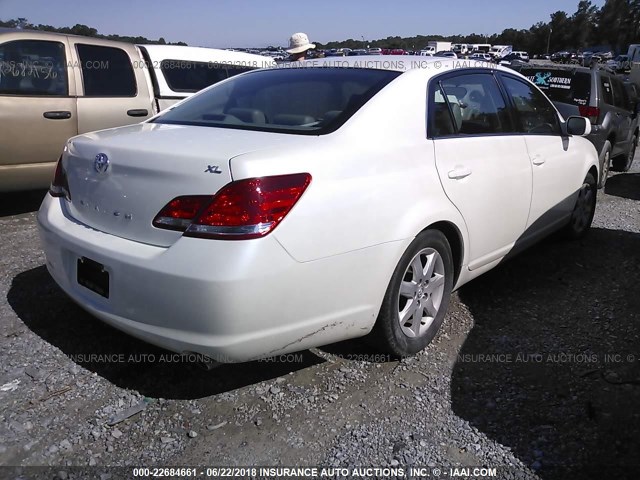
x=341, y=406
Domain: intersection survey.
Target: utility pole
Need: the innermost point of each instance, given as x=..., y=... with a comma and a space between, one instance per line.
x=549, y=39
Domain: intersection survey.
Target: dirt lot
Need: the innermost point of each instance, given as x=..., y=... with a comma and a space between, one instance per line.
x=536, y=372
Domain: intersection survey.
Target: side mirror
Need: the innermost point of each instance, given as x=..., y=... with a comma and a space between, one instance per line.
x=579, y=126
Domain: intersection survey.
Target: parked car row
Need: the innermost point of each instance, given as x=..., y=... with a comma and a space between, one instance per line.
x=588, y=58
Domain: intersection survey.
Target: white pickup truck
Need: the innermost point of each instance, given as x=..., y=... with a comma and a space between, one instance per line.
x=54, y=86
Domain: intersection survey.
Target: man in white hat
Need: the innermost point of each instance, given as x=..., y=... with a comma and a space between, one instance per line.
x=298, y=46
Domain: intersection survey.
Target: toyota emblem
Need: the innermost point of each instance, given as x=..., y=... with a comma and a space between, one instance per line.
x=101, y=163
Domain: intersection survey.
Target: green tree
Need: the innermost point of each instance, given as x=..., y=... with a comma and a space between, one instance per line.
x=583, y=25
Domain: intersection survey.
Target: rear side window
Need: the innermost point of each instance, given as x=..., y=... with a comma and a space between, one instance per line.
x=474, y=106
x=620, y=97
x=33, y=67
x=563, y=86
x=606, y=90
x=187, y=76
x=184, y=76
x=106, y=71
x=535, y=113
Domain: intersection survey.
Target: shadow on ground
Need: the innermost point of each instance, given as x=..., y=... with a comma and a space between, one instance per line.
x=20, y=202
x=625, y=185
x=51, y=315
x=551, y=368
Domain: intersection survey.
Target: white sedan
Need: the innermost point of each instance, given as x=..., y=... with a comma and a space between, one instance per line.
x=289, y=208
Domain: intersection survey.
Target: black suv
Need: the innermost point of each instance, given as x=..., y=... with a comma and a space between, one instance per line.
x=600, y=96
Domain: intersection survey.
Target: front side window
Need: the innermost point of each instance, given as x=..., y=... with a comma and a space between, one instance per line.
x=296, y=100
x=106, y=71
x=473, y=103
x=33, y=67
x=535, y=112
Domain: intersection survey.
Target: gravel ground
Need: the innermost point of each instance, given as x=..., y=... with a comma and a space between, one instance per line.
x=536, y=372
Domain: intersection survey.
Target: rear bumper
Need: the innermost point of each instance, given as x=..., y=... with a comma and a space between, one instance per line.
x=233, y=301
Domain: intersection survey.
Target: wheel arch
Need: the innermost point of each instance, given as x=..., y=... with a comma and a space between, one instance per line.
x=454, y=237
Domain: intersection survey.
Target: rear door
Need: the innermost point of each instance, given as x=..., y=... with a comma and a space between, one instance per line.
x=557, y=168
x=115, y=88
x=37, y=106
x=610, y=115
x=623, y=112
x=483, y=165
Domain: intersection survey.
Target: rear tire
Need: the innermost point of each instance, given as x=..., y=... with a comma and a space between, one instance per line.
x=583, y=211
x=605, y=163
x=417, y=297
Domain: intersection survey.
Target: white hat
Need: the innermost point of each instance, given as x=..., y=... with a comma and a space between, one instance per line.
x=299, y=42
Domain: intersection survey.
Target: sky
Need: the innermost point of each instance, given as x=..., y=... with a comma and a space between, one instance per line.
x=246, y=23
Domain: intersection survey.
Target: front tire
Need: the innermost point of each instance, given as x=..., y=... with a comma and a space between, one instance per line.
x=584, y=209
x=417, y=297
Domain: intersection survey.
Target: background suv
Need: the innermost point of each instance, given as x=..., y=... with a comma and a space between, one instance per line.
x=603, y=98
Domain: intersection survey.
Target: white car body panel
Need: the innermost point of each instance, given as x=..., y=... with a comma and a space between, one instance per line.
x=499, y=180
x=555, y=183
x=146, y=171
x=321, y=275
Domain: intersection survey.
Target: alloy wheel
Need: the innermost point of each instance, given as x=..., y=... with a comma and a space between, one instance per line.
x=421, y=292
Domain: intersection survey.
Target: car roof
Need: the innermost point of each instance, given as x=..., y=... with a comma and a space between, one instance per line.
x=396, y=64
x=376, y=62
x=47, y=33
x=556, y=66
x=158, y=53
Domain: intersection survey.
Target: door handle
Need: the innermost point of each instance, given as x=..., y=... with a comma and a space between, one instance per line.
x=59, y=115
x=138, y=112
x=459, y=172
x=537, y=160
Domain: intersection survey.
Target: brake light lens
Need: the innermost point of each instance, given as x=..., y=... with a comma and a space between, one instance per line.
x=60, y=185
x=592, y=113
x=180, y=212
x=245, y=209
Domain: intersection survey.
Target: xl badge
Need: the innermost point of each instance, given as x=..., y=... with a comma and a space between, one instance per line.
x=213, y=169
x=101, y=163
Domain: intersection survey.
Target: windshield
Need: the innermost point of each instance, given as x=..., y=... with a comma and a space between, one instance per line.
x=301, y=100
x=564, y=86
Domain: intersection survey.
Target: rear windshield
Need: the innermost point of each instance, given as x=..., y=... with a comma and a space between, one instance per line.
x=293, y=100
x=564, y=86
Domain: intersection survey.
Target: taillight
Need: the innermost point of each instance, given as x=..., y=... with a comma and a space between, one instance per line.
x=60, y=186
x=180, y=212
x=592, y=113
x=244, y=209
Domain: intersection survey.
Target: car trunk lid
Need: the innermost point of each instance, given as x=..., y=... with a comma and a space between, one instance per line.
x=120, y=179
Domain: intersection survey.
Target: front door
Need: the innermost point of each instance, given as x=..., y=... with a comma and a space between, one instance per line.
x=554, y=164
x=483, y=165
